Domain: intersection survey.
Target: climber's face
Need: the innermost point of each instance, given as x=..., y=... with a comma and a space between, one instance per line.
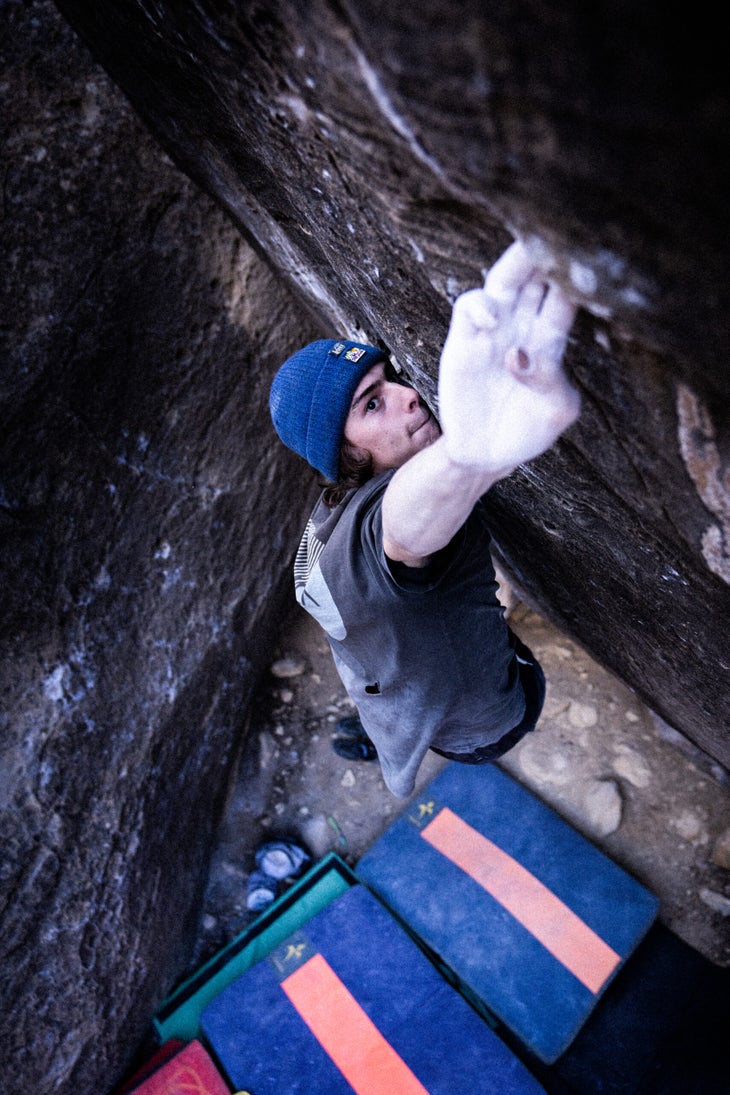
x=388, y=420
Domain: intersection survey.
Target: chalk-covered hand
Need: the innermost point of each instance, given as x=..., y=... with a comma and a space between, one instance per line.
x=503, y=395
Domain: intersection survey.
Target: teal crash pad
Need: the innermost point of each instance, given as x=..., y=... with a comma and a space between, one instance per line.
x=179, y=1015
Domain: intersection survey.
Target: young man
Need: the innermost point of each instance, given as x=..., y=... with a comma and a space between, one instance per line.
x=394, y=562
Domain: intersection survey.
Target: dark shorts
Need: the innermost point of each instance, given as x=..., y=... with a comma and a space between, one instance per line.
x=533, y=682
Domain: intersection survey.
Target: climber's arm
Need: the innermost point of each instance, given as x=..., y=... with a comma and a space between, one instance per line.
x=503, y=400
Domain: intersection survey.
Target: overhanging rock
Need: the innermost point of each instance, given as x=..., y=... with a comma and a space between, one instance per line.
x=379, y=156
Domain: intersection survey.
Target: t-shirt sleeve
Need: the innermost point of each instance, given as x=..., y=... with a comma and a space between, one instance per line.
x=406, y=578
x=420, y=578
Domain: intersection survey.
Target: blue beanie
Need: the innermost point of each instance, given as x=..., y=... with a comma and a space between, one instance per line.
x=311, y=397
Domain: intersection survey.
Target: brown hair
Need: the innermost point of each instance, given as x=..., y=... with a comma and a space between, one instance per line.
x=356, y=468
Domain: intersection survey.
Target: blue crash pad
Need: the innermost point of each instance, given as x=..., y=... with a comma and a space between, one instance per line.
x=529, y=919
x=349, y=1003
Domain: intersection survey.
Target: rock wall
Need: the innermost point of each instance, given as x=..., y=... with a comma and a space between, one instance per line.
x=381, y=155
x=148, y=520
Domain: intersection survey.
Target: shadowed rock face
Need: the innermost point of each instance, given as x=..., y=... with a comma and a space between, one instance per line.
x=378, y=159
x=148, y=521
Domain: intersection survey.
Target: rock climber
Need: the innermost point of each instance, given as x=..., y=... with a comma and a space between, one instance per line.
x=395, y=559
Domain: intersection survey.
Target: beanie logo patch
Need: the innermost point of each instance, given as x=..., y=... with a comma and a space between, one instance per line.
x=355, y=354
x=337, y=349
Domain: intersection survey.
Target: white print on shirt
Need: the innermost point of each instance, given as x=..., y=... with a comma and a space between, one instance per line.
x=310, y=588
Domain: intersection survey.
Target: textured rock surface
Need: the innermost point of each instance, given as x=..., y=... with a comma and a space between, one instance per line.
x=379, y=156
x=146, y=521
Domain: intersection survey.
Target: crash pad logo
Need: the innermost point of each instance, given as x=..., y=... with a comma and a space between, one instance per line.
x=291, y=954
x=424, y=811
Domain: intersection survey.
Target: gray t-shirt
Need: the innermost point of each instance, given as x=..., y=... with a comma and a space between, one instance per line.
x=426, y=655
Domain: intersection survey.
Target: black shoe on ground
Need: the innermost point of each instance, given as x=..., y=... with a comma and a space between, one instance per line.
x=355, y=749
x=351, y=727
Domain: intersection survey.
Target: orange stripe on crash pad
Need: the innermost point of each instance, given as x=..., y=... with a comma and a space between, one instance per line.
x=364, y=1057
x=545, y=916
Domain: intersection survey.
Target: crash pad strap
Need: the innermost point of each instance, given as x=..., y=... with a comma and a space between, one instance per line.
x=350, y=1038
x=540, y=911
